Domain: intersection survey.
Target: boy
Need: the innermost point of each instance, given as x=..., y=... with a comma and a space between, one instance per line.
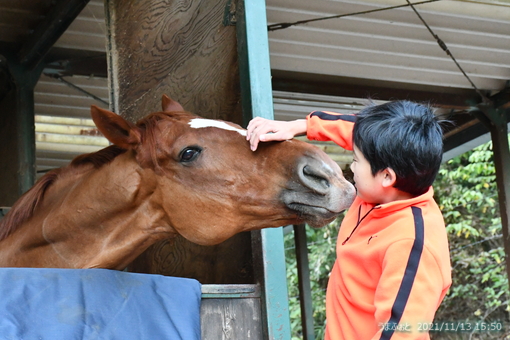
x=393, y=267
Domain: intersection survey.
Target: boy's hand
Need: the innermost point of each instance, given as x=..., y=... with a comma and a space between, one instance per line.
x=265, y=130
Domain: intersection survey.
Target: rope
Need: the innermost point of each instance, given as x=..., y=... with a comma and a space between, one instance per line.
x=443, y=46
x=59, y=77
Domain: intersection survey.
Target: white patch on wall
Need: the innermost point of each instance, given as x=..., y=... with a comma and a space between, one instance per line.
x=198, y=123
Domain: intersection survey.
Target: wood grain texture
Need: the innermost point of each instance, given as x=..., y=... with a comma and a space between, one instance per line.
x=231, y=319
x=227, y=263
x=178, y=48
x=182, y=49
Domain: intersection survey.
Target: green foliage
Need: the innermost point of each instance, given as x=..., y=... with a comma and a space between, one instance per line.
x=466, y=192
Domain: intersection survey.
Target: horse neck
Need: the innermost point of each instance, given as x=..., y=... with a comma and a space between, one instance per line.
x=93, y=218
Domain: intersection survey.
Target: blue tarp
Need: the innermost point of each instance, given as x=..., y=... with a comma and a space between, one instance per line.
x=69, y=304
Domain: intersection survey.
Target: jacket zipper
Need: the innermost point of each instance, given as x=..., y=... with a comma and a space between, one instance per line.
x=358, y=223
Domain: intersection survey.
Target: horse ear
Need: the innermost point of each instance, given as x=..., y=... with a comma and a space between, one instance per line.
x=170, y=105
x=115, y=128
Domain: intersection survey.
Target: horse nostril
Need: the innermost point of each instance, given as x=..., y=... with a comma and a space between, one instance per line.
x=315, y=179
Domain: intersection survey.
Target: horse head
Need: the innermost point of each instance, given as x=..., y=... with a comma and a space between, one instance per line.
x=207, y=183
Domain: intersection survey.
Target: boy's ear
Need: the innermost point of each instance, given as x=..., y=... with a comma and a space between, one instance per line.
x=115, y=128
x=388, y=177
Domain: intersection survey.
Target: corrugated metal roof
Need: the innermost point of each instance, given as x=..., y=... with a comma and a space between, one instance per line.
x=394, y=45
x=53, y=97
x=290, y=106
x=391, y=45
x=63, y=126
x=88, y=30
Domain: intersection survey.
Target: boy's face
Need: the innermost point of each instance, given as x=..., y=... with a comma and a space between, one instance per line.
x=369, y=187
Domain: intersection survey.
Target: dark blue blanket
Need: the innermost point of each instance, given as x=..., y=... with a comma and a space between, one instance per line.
x=69, y=304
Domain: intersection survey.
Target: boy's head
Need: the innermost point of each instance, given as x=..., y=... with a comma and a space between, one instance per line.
x=405, y=137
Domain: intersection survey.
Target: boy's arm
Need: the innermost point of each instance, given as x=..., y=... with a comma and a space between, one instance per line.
x=409, y=292
x=331, y=126
x=265, y=130
x=319, y=125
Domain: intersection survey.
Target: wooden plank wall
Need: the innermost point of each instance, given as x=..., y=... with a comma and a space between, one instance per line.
x=235, y=318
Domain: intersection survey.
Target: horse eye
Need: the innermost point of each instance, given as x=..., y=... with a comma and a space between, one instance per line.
x=189, y=154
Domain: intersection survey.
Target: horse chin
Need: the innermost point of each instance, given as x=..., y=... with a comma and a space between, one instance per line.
x=314, y=216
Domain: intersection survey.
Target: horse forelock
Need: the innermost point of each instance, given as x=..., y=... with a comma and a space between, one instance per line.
x=150, y=137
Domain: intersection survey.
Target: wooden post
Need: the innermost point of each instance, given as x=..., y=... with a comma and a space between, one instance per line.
x=181, y=49
x=17, y=130
x=496, y=120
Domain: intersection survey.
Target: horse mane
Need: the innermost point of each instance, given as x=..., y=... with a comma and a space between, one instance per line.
x=99, y=158
x=24, y=208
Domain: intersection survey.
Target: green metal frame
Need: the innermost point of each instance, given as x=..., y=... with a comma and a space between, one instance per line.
x=257, y=100
x=304, y=285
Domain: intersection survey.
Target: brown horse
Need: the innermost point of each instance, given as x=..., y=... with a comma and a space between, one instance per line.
x=171, y=173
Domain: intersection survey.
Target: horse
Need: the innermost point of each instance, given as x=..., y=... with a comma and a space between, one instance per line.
x=172, y=173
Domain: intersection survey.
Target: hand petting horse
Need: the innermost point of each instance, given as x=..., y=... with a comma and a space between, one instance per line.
x=171, y=173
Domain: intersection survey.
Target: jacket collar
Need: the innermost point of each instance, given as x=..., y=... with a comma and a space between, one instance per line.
x=388, y=208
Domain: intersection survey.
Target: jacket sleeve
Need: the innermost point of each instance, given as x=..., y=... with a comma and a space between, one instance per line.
x=409, y=293
x=331, y=126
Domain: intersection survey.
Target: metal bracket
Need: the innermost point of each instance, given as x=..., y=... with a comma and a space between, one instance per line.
x=230, y=18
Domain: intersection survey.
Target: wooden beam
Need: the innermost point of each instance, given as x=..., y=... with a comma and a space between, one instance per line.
x=17, y=131
x=368, y=88
x=49, y=31
x=502, y=98
x=467, y=131
x=70, y=62
x=497, y=121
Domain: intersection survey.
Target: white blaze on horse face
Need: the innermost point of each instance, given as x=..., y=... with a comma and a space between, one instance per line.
x=198, y=123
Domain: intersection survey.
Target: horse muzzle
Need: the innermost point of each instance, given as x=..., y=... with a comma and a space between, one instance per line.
x=318, y=192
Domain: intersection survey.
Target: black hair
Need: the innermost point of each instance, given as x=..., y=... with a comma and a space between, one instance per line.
x=404, y=136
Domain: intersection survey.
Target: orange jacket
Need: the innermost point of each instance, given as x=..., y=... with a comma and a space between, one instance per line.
x=393, y=266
